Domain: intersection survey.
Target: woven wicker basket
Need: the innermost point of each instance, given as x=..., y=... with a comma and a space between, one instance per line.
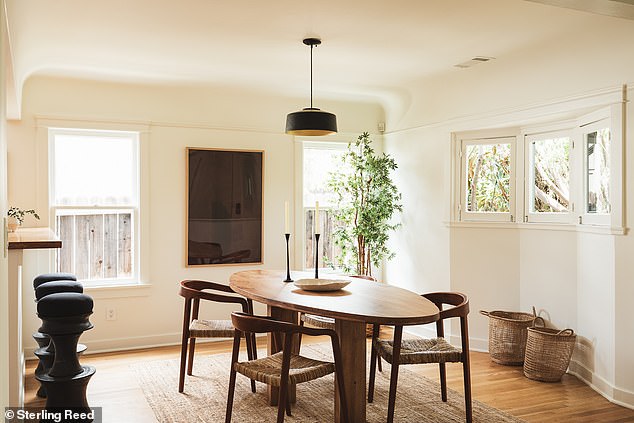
x=548, y=353
x=507, y=335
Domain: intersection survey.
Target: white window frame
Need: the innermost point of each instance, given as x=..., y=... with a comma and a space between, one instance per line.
x=591, y=123
x=485, y=138
x=140, y=256
x=549, y=217
x=300, y=214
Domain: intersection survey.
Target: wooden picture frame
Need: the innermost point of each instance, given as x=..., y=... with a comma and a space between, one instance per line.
x=225, y=203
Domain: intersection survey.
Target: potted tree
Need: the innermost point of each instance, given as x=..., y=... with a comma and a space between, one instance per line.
x=16, y=217
x=367, y=199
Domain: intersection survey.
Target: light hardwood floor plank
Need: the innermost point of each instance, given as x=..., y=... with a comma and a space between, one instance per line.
x=115, y=388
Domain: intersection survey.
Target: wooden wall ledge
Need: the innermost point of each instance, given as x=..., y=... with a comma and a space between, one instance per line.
x=33, y=238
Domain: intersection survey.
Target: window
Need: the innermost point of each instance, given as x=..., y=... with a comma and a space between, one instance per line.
x=548, y=177
x=320, y=159
x=568, y=171
x=94, y=196
x=597, y=171
x=487, y=179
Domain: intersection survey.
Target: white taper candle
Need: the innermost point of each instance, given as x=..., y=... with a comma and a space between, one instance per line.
x=287, y=227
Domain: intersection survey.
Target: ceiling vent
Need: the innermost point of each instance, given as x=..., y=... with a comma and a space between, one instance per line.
x=475, y=61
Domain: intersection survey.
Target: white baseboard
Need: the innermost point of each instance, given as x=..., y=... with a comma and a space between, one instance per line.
x=610, y=392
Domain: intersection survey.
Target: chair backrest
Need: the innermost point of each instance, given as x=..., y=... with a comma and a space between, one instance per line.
x=459, y=303
x=261, y=324
x=459, y=308
x=197, y=289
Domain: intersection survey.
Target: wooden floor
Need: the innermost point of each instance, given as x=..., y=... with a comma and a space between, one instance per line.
x=115, y=388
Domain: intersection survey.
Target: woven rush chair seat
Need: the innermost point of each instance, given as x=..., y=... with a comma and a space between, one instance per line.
x=318, y=321
x=421, y=351
x=286, y=367
x=195, y=291
x=211, y=329
x=269, y=369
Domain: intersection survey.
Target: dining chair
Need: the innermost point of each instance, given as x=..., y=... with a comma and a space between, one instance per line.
x=193, y=291
x=420, y=351
x=283, y=368
x=328, y=322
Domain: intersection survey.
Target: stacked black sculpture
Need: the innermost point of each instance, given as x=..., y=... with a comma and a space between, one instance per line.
x=64, y=311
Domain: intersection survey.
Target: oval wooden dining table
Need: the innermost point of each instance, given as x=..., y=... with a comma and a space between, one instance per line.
x=360, y=302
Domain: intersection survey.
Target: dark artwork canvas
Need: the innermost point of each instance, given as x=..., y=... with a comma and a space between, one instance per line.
x=224, y=206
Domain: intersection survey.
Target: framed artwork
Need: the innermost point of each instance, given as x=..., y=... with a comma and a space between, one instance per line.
x=224, y=206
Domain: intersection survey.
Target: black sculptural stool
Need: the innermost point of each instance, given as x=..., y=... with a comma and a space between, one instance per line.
x=64, y=318
x=46, y=351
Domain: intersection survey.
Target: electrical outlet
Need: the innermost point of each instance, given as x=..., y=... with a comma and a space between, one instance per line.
x=111, y=313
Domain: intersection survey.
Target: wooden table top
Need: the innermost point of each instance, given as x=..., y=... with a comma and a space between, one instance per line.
x=361, y=300
x=33, y=238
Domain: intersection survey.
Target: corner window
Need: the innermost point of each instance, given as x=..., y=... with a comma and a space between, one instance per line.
x=94, y=196
x=565, y=172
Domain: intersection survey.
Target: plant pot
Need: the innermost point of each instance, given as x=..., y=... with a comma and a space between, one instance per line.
x=12, y=224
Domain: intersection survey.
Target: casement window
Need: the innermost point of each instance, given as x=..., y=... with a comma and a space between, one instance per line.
x=94, y=198
x=487, y=179
x=548, y=169
x=596, y=171
x=319, y=160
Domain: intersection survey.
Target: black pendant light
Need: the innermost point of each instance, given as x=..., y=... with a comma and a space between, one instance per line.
x=311, y=121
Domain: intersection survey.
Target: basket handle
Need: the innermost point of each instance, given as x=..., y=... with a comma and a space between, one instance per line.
x=484, y=313
x=566, y=332
x=540, y=320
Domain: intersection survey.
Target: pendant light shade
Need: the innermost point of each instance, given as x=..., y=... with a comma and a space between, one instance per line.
x=311, y=121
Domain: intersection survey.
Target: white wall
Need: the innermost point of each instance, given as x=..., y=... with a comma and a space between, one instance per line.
x=178, y=117
x=583, y=281
x=4, y=282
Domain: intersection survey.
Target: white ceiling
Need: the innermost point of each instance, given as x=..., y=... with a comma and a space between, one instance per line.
x=371, y=48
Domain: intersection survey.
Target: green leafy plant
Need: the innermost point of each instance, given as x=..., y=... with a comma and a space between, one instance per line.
x=19, y=214
x=367, y=199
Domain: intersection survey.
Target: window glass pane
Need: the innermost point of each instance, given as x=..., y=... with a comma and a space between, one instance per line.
x=91, y=169
x=550, y=191
x=96, y=244
x=320, y=160
x=598, y=171
x=328, y=250
x=318, y=164
x=488, y=177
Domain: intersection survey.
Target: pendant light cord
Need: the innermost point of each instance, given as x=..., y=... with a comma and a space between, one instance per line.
x=311, y=76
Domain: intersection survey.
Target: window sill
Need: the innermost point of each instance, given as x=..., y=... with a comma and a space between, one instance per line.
x=118, y=290
x=593, y=229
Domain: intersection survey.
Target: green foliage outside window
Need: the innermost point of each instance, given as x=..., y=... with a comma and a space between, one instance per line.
x=488, y=177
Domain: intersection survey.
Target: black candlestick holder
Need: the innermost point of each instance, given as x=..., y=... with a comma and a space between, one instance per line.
x=316, y=256
x=288, y=265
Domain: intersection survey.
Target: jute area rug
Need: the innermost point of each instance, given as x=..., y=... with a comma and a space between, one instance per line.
x=205, y=396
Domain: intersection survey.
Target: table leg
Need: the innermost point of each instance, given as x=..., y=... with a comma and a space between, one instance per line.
x=286, y=316
x=353, y=351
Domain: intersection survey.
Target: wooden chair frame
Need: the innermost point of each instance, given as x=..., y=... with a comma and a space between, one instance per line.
x=193, y=291
x=250, y=324
x=460, y=309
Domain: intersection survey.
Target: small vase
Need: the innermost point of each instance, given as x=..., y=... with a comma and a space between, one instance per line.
x=12, y=224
